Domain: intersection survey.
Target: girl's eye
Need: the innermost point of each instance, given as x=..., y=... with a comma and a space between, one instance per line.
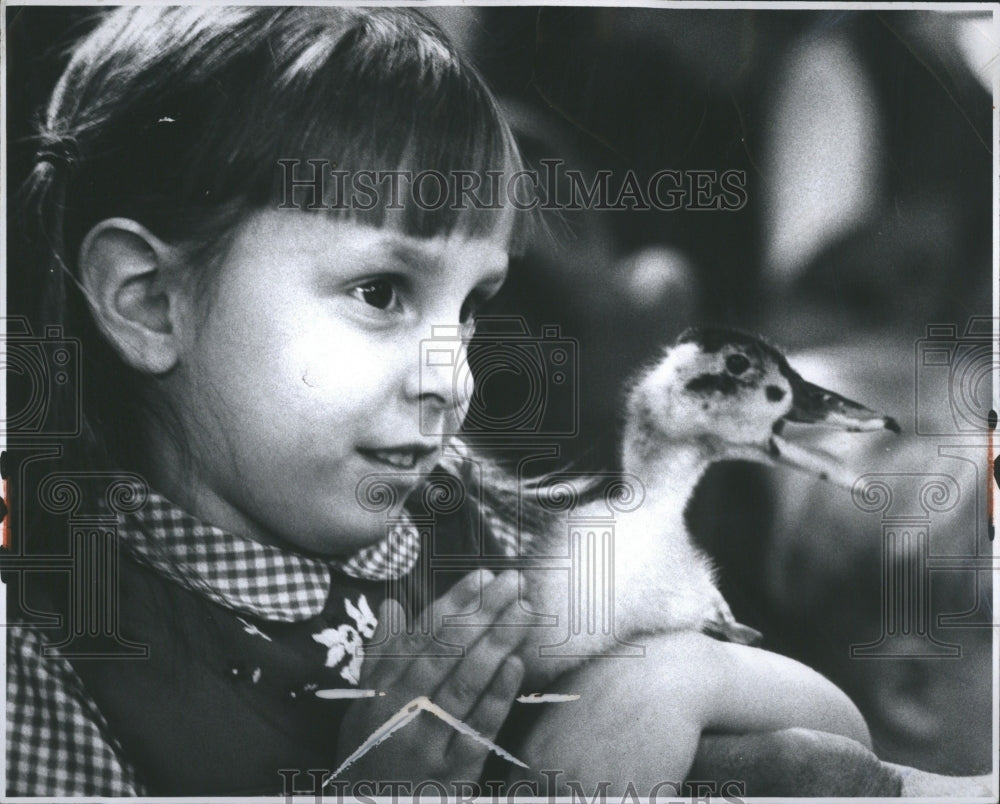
x=378, y=293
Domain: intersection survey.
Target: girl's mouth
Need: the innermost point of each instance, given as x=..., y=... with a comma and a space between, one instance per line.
x=405, y=456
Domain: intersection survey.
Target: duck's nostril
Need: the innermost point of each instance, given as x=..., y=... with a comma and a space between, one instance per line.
x=774, y=393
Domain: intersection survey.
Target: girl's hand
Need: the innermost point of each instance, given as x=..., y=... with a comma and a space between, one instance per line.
x=478, y=689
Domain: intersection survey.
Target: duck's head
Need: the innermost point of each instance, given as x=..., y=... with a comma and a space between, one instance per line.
x=732, y=394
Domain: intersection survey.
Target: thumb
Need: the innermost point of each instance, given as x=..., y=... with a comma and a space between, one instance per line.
x=391, y=627
x=391, y=623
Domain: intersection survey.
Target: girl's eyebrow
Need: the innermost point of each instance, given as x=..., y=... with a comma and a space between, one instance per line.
x=411, y=254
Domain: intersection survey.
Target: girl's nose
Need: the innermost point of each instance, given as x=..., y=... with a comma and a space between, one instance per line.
x=443, y=384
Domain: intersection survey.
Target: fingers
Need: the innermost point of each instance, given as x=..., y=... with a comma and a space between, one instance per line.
x=429, y=673
x=477, y=688
x=486, y=651
x=458, y=599
x=414, y=670
x=391, y=620
x=376, y=672
x=490, y=710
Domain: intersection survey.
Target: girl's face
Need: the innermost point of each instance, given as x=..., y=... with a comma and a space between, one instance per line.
x=305, y=376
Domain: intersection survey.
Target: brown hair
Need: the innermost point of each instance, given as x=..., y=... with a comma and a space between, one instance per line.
x=179, y=117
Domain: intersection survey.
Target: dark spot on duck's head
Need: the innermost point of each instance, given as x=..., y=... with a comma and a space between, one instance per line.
x=774, y=393
x=713, y=339
x=711, y=383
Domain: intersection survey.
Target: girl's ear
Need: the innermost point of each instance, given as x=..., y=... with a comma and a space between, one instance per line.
x=130, y=278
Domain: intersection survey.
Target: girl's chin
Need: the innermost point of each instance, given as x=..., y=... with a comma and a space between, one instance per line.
x=363, y=531
x=338, y=549
x=338, y=530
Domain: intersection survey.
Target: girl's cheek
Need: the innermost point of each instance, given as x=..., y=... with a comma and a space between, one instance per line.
x=333, y=362
x=318, y=375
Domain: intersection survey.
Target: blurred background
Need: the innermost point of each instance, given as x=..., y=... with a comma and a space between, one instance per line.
x=866, y=142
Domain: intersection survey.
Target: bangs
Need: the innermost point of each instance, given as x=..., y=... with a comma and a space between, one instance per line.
x=329, y=97
x=384, y=124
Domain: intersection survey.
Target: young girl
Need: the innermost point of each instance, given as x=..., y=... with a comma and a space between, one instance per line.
x=251, y=332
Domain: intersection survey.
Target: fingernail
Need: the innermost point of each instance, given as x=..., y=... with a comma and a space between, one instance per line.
x=512, y=671
x=475, y=580
x=509, y=577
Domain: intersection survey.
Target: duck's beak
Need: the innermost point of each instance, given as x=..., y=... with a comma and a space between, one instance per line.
x=814, y=405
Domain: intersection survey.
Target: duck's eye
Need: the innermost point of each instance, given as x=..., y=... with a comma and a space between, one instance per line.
x=737, y=363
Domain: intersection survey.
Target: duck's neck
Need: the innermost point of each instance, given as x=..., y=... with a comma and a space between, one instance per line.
x=670, y=474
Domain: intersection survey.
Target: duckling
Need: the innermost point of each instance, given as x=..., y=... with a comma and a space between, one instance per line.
x=716, y=394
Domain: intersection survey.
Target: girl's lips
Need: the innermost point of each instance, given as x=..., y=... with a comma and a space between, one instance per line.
x=402, y=456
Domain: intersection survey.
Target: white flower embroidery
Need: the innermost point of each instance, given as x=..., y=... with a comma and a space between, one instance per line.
x=340, y=642
x=345, y=640
x=362, y=616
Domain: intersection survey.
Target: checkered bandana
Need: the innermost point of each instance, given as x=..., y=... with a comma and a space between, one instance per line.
x=259, y=579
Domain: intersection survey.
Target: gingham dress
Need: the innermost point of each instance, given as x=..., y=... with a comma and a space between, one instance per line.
x=58, y=742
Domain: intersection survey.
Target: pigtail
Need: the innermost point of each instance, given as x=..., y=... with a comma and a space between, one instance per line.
x=47, y=282
x=94, y=414
x=44, y=202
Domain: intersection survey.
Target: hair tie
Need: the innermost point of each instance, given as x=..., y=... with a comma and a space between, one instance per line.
x=59, y=152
